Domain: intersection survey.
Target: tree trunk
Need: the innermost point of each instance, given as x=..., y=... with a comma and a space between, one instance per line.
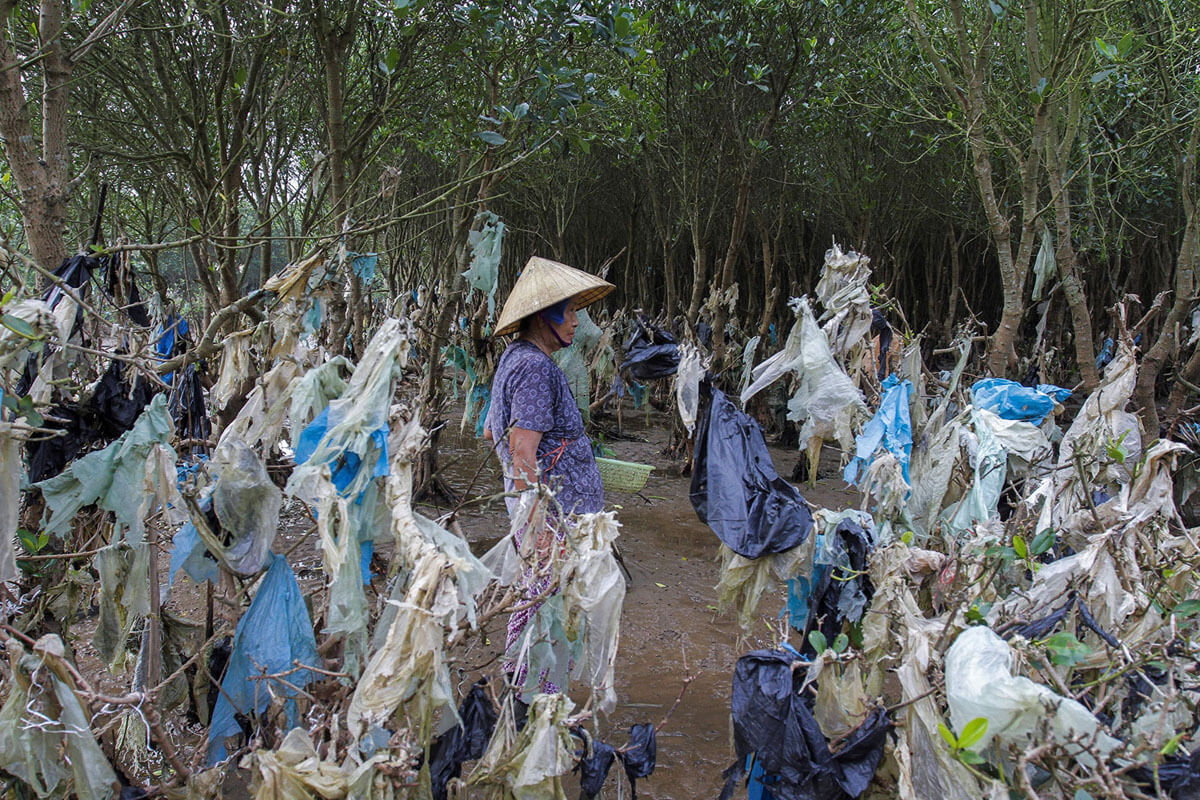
x=1166, y=345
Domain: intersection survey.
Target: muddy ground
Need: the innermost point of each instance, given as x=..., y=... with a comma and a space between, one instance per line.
x=669, y=627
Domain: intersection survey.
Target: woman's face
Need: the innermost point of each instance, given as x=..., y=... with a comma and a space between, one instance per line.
x=566, y=328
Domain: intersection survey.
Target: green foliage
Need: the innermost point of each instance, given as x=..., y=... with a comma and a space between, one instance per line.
x=1065, y=650
x=960, y=746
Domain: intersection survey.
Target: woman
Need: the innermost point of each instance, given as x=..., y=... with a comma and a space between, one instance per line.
x=535, y=421
x=533, y=417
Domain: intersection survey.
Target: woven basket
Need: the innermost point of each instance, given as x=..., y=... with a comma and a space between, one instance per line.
x=623, y=476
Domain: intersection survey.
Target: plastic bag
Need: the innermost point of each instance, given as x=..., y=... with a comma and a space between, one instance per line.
x=273, y=633
x=773, y=720
x=485, y=244
x=247, y=503
x=1010, y=400
x=113, y=478
x=464, y=742
x=687, y=385
x=650, y=353
x=890, y=428
x=10, y=500
x=735, y=488
x=980, y=683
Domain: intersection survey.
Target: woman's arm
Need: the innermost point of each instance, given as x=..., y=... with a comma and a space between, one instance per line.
x=523, y=445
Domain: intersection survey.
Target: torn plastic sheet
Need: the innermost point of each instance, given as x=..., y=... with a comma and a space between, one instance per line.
x=311, y=393
x=991, y=469
x=1010, y=400
x=687, y=384
x=1044, y=266
x=466, y=741
x=364, y=265
x=485, y=244
x=410, y=668
x=272, y=636
x=735, y=488
x=773, y=719
x=890, y=428
x=838, y=589
x=45, y=735
x=595, y=594
x=113, y=478
x=744, y=581
x=296, y=771
x=980, y=683
x=236, y=364
x=650, y=353
x=342, y=562
x=124, y=598
x=355, y=433
x=531, y=765
x=748, y=354
x=843, y=292
x=826, y=401
x=10, y=500
x=247, y=503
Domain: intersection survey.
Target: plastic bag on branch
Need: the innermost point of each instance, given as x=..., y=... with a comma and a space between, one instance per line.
x=748, y=354
x=573, y=361
x=14, y=346
x=825, y=399
x=650, y=352
x=247, y=503
x=342, y=560
x=10, y=500
x=594, y=595
x=687, y=385
x=896, y=636
x=410, y=667
x=124, y=597
x=314, y=390
x=890, y=429
x=485, y=244
x=980, y=683
x=114, y=478
x=843, y=292
x=260, y=421
x=990, y=470
x=236, y=365
x=353, y=444
x=273, y=636
x=532, y=765
x=735, y=488
x=45, y=734
x=414, y=535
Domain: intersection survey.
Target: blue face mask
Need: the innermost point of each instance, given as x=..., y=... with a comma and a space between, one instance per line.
x=556, y=313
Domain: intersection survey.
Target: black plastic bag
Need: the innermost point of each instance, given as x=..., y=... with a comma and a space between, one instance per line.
x=640, y=755
x=593, y=770
x=650, y=353
x=463, y=742
x=773, y=721
x=735, y=488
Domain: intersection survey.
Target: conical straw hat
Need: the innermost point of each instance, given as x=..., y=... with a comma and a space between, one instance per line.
x=542, y=284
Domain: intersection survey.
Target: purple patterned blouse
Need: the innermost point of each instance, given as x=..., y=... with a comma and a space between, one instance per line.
x=530, y=391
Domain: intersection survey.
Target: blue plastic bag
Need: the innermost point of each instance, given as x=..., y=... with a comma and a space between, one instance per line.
x=343, y=468
x=273, y=633
x=1010, y=400
x=891, y=427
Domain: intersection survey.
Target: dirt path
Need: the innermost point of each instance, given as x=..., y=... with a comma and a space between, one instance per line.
x=669, y=607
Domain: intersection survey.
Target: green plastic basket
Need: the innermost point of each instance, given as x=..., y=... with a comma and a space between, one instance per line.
x=623, y=476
